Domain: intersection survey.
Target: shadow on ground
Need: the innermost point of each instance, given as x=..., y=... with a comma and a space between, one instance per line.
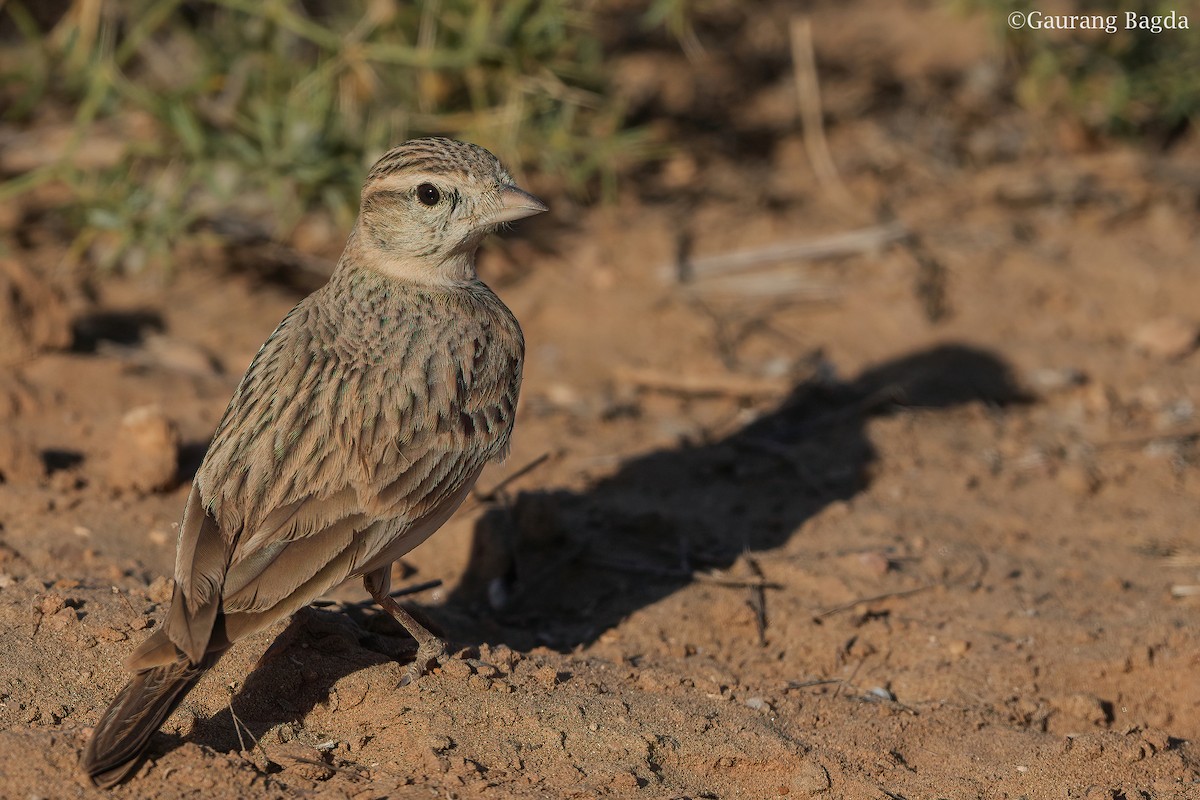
x=569, y=565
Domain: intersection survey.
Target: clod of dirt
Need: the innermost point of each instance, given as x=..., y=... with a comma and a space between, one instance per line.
x=1083, y=710
x=33, y=315
x=1168, y=338
x=145, y=452
x=161, y=589
x=301, y=761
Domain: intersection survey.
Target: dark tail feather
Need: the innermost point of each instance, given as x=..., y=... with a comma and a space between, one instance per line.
x=124, y=730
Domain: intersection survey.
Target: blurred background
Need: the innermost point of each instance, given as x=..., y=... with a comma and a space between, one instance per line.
x=142, y=126
x=857, y=452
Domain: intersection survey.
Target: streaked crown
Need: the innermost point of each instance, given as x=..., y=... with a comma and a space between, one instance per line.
x=435, y=155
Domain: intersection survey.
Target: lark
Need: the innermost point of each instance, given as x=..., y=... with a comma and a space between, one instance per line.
x=356, y=432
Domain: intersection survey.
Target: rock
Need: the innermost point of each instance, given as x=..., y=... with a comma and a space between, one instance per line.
x=1048, y=380
x=1167, y=338
x=145, y=452
x=812, y=778
x=874, y=563
x=33, y=314
x=958, y=647
x=161, y=589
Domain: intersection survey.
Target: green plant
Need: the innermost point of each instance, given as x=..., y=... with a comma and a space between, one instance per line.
x=1115, y=80
x=262, y=110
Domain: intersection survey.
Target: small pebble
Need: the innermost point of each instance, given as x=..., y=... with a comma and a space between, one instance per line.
x=51, y=604
x=1167, y=338
x=547, y=676
x=144, y=452
x=958, y=647
x=1055, y=379
x=876, y=564
x=161, y=589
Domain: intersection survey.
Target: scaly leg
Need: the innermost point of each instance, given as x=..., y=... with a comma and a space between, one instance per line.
x=429, y=647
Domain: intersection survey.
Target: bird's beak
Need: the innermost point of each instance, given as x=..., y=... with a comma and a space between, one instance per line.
x=516, y=204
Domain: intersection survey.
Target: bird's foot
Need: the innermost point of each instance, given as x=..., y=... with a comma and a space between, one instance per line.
x=429, y=653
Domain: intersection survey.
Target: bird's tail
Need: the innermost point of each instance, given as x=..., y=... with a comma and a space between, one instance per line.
x=125, y=728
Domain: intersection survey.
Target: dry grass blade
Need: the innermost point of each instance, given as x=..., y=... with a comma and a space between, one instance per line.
x=808, y=89
x=1143, y=439
x=767, y=285
x=838, y=245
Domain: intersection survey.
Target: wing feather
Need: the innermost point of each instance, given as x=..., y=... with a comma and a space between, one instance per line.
x=340, y=440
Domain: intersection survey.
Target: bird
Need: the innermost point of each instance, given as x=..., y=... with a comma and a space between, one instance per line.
x=359, y=427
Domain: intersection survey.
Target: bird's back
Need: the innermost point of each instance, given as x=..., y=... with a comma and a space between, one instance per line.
x=365, y=415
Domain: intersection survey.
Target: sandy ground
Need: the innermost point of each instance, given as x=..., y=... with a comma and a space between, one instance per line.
x=915, y=522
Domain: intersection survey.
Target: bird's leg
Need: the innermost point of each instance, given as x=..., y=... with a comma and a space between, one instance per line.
x=429, y=647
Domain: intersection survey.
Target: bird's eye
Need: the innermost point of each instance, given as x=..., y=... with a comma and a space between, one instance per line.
x=428, y=194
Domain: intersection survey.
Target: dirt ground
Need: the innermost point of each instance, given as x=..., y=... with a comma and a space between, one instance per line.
x=918, y=521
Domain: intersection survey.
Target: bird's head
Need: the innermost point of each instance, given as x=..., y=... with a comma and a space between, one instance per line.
x=428, y=203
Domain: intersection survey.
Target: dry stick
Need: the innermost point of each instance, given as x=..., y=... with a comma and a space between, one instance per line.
x=1140, y=439
x=808, y=90
x=771, y=284
x=758, y=602
x=843, y=684
x=807, y=684
x=488, y=496
x=829, y=612
x=416, y=588
x=734, y=583
x=238, y=725
x=128, y=604
x=701, y=385
x=836, y=245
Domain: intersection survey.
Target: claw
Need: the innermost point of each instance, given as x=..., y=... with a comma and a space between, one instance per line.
x=428, y=655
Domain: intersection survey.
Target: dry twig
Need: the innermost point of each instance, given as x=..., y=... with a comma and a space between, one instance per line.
x=836, y=245
x=1142, y=439
x=758, y=602
x=829, y=612
x=490, y=494
x=808, y=89
x=702, y=385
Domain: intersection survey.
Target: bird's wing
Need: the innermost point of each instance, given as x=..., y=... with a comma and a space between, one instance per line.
x=316, y=451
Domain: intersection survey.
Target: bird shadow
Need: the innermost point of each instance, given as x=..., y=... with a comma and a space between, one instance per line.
x=557, y=568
